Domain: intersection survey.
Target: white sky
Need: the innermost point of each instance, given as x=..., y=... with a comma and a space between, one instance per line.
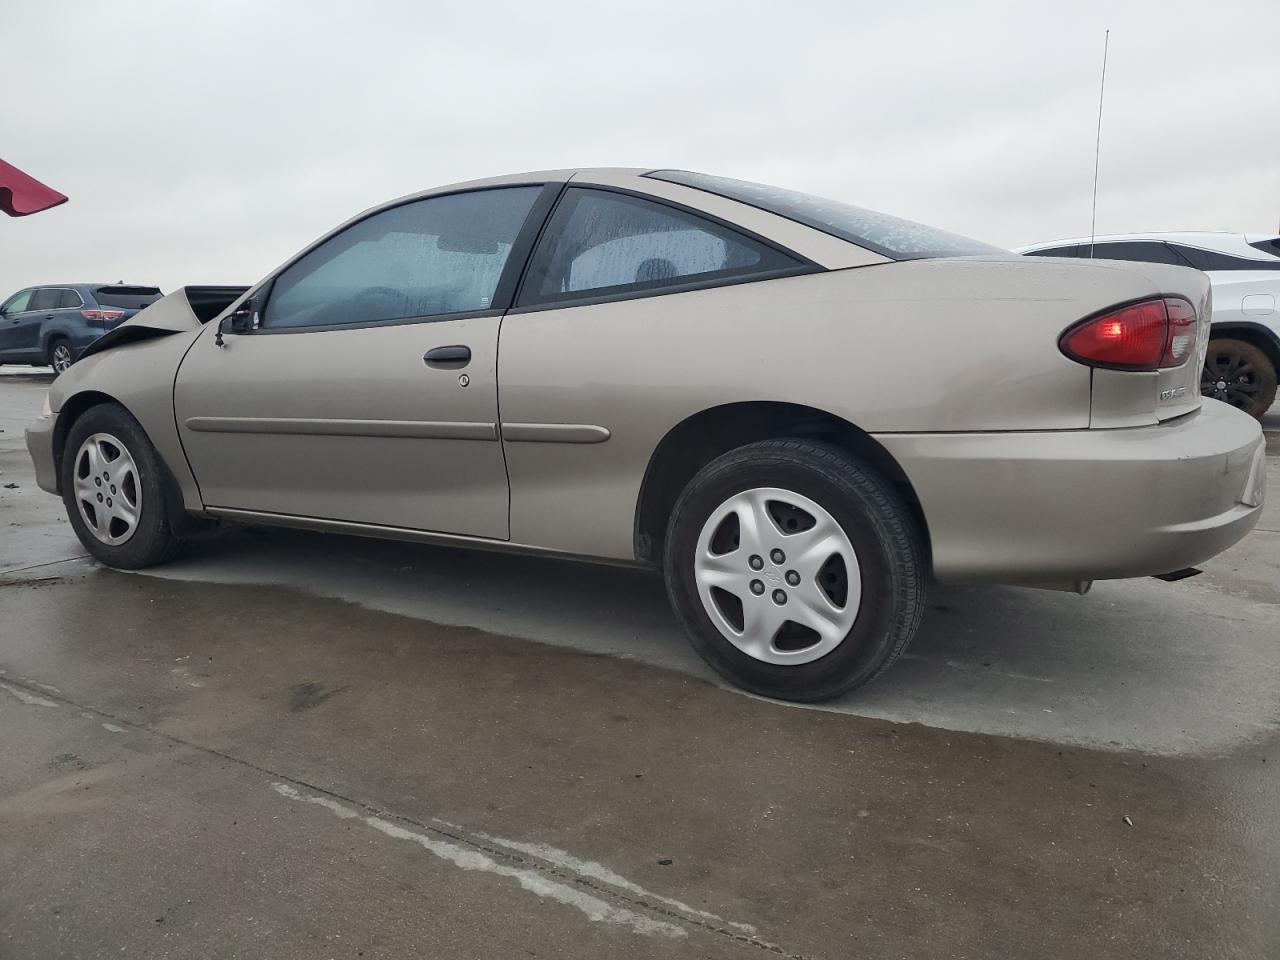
x=205, y=142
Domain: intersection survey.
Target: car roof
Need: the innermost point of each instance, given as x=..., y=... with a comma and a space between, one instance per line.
x=89, y=286
x=818, y=245
x=528, y=176
x=1224, y=241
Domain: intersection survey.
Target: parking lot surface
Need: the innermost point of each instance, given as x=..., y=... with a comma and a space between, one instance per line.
x=292, y=745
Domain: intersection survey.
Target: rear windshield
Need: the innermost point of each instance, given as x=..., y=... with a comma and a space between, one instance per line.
x=889, y=236
x=129, y=298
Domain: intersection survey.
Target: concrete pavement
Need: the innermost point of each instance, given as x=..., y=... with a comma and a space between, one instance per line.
x=297, y=746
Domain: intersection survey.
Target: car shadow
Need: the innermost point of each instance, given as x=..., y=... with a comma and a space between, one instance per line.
x=1164, y=668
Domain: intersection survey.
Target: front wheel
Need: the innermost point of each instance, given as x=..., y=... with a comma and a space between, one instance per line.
x=796, y=570
x=1240, y=374
x=117, y=492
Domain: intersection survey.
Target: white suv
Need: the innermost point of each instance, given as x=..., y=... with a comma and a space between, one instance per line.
x=1244, y=270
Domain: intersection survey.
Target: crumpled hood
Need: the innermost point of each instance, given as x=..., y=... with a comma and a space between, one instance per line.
x=186, y=309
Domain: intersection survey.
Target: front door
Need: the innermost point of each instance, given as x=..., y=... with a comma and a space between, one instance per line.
x=368, y=390
x=13, y=313
x=47, y=309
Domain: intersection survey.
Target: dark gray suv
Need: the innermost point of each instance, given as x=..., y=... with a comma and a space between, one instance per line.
x=51, y=325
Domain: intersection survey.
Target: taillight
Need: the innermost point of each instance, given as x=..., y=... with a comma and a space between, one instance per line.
x=1182, y=333
x=102, y=314
x=1151, y=335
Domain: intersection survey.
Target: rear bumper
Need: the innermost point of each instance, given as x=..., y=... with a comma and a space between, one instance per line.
x=40, y=446
x=1061, y=506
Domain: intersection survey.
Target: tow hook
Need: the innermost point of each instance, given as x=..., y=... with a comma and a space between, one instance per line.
x=1179, y=574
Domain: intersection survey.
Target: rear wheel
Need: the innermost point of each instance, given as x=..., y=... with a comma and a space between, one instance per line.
x=1240, y=374
x=117, y=492
x=59, y=354
x=796, y=570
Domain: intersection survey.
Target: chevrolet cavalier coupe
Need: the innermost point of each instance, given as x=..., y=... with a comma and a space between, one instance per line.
x=683, y=372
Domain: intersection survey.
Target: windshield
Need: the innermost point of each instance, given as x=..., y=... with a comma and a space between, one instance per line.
x=892, y=237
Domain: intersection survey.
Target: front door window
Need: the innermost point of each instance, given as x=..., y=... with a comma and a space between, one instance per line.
x=430, y=258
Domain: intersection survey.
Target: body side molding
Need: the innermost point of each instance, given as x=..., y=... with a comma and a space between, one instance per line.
x=309, y=426
x=555, y=433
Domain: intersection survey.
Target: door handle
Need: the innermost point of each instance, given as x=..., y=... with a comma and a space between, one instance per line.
x=448, y=358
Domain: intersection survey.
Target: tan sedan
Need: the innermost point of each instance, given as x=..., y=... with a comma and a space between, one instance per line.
x=800, y=410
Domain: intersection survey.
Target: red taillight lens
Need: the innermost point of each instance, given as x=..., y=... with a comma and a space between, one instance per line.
x=102, y=314
x=1142, y=336
x=91, y=314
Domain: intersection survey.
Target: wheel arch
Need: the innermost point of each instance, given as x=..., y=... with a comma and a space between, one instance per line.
x=47, y=338
x=76, y=406
x=1254, y=334
x=700, y=438
x=73, y=408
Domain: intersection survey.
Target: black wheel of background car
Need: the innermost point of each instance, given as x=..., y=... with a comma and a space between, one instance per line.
x=117, y=491
x=1240, y=374
x=59, y=354
x=796, y=570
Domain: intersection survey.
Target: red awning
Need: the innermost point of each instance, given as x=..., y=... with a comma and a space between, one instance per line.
x=21, y=195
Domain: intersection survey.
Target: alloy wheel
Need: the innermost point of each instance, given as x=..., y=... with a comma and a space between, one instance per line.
x=108, y=489
x=778, y=576
x=61, y=357
x=1229, y=376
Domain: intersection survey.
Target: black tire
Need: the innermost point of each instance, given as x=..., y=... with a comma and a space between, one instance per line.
x=156, y=536
x=60, y=356
x=880, y=528
x=1247, y=375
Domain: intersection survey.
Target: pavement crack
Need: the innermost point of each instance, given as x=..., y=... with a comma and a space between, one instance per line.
x=51, y=563
x=452, y=833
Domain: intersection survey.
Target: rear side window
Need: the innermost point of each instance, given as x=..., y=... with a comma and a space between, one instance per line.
x=69, y=299
x=128, y=298
x=1068, y=251
x=46, y=298
x=600, y=244
x=1268, y=246
x=889, y=236
x=436, y=256
x=1135, y=251
x=1212, y=260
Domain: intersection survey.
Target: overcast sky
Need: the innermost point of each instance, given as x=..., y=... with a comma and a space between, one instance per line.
x=208, y=141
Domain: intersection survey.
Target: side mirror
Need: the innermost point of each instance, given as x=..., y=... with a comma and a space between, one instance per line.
x=241, y=321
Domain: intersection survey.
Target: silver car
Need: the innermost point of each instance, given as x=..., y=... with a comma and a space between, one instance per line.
x=678, y=371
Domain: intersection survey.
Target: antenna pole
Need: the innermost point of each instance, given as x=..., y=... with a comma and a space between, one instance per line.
x=1097, y=147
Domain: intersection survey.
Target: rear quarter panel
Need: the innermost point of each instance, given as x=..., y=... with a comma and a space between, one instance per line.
x=1248, y=297
x=940, y=345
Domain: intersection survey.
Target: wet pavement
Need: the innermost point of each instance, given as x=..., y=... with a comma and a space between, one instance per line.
x=291, y=745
